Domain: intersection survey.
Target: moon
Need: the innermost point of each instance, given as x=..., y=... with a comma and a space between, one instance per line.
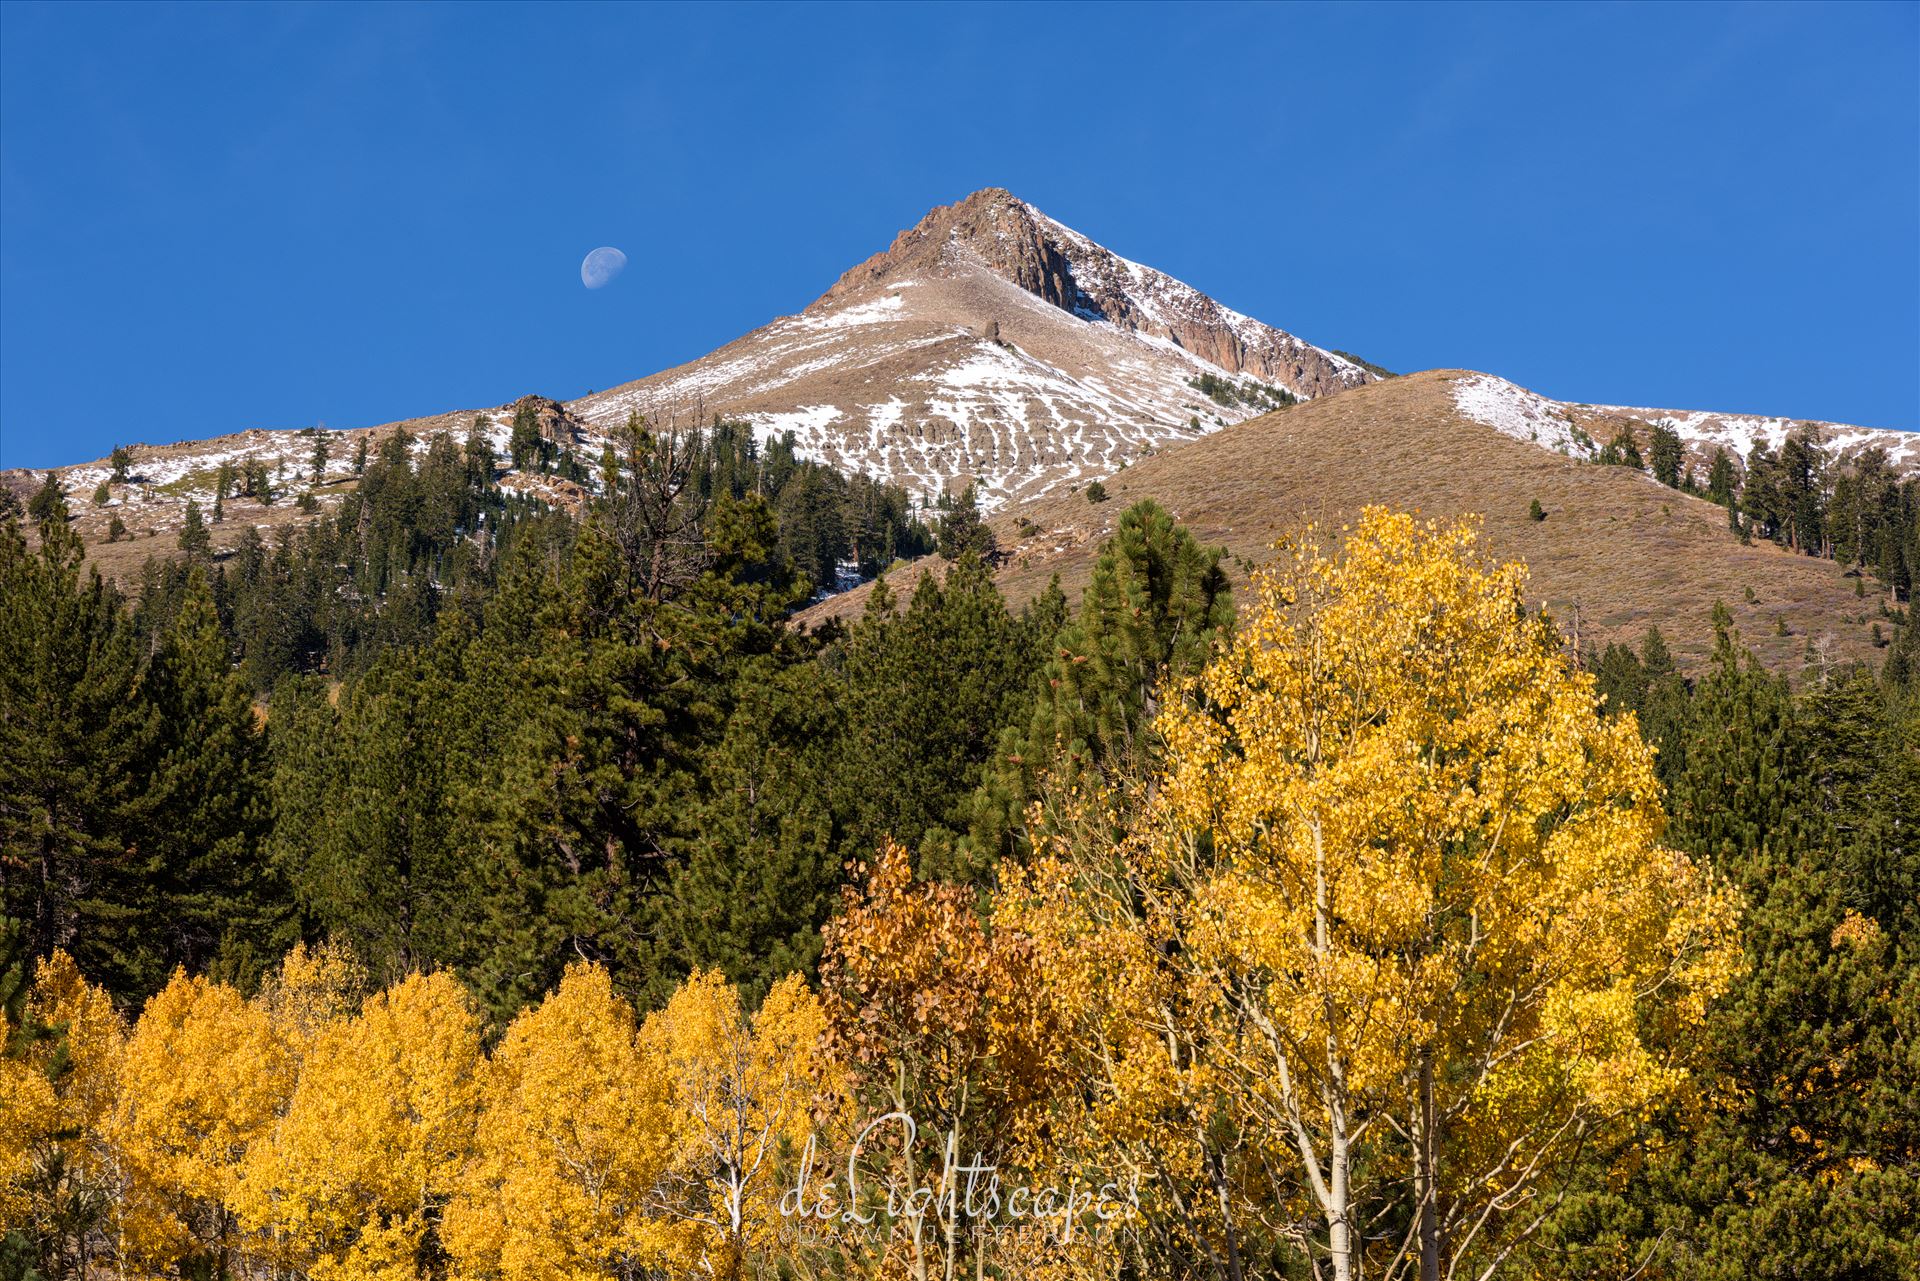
x=601, y=266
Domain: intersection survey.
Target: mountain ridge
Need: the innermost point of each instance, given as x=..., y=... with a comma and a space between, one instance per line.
x=1614, y=552
x=988, y=344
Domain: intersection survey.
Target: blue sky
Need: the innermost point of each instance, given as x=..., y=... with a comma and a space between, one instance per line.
x=214, y=218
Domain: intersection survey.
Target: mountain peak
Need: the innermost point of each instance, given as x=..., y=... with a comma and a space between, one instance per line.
x=1069, y=271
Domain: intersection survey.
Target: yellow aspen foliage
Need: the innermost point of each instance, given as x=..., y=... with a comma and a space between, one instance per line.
x=57, y=1087
x=1391, y=936
x=1429, y=906
x=311, y=989
x=351, y=1181
x=742, y=1094
x=573, y=1140
x=29, y=1130
x=202, y=1076
x=1144, y=1109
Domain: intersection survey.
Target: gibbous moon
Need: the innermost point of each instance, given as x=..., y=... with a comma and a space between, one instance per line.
x=600, y=266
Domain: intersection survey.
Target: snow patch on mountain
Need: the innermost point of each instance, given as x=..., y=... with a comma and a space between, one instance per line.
x=1739, y=433
x=1524, y=415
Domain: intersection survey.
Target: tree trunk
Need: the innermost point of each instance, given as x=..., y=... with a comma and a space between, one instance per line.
x=1426, y=1173
x=1339, y=1214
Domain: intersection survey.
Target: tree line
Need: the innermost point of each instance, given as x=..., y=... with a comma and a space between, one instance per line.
x=1859, y=512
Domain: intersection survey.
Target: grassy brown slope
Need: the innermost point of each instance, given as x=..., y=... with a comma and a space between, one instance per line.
x=1616, y=548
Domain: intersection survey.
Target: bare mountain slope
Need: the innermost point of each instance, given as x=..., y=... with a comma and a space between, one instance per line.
x=1617, y=551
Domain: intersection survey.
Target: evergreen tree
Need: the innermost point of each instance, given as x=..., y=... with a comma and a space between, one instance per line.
x=322, y=450
x=1623, y=450
x=121, y=461
x=195, y=541
x=1666, y=452
x=1801, y=494
x=1155, y=606
x=761, y=865
x=926, y=694
x=367, y=834
x=1720, y=479
x=1759, y=497
x=963, y=532
x=1732, y=795
x=76, y=747
x=527, y=447
x=813, y=527
x=205, y=810
x=478, y=455
x=48, y=507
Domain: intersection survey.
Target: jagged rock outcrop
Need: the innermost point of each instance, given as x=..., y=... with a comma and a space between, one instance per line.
x=556, y=421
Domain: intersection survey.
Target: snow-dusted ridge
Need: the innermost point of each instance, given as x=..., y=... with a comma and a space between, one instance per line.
x=1580, y=430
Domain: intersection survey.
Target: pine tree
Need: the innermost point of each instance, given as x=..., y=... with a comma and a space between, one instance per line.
x=48, y=507
x=76, y=748
x=761, y=867
x=1666, y=453
x=962, y=531
x=1720, y=479
x=121, y=461
x=1156, y=605
x=1801, y=494
x=1623, y=450
x=1733, y=793
x=1759, y=497
x=527, y=447
x=195, y=541
x=100, y=494
x=927, y=693
x=205, y=808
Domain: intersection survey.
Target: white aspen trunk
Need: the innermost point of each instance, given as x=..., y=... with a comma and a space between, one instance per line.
x=1339, y=1215
x=1426, y=1172
x=1339, y=1212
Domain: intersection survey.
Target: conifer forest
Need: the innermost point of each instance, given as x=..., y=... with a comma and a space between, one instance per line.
x=464, y=886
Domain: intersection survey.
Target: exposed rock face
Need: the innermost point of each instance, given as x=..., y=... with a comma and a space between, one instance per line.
x=555, y=420
x=1059, y=266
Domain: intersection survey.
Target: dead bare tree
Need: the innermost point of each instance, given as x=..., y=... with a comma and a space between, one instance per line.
x=657, y=510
